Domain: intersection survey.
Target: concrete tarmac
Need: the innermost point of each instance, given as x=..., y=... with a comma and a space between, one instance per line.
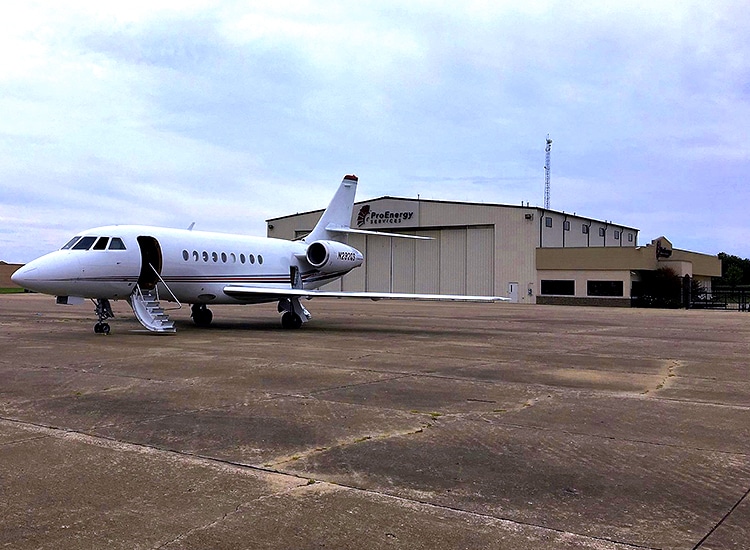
x=377, y=425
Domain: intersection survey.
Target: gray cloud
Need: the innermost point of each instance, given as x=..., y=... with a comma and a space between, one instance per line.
x=205, y=106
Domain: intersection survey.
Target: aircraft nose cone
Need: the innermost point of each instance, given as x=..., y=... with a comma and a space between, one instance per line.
x=23, y=276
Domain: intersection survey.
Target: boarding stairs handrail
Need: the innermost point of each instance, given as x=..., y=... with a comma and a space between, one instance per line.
x=156, y=289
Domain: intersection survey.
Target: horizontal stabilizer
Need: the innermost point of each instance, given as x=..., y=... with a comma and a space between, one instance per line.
x=240, y=291
x=337, y=229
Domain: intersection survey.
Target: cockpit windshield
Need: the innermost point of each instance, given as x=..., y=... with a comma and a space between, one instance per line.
x=84, y=243
x=70, y=243
x=117, y=244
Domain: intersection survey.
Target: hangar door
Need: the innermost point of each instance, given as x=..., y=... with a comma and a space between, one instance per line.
x=457, y=261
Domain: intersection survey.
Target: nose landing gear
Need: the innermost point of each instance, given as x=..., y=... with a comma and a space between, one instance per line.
x=201, y=315
x=103, y=312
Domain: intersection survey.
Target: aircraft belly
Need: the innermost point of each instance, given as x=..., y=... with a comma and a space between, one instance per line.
x=197, y=293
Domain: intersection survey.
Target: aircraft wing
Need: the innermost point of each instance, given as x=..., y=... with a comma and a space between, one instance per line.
x=241, y=291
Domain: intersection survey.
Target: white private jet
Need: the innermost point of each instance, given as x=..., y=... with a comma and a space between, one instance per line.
x=144, y=265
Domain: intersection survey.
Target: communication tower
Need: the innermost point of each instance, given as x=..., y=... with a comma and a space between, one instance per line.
x=547, y=151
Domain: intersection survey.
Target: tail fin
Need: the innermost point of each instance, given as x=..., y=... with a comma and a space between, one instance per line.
x=337, y=215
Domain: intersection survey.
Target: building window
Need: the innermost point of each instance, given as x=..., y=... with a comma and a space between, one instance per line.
x=558, y=287
x=630, y=237
x=548, y=221
x=601, y=231
x=585, y=229
x=566, y=225
x=604, y=288
x=617, y=235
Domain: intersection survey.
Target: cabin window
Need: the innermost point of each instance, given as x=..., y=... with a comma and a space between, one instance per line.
x=260, y=259
x=242, y=258
x=233, y=257
x=214, y=257
x=251, y=259
x=185, y=255
x=205, y=256
x=224, y=257
x=85, y=243
x=70, y=243
x=116, y=244
x=196, y=256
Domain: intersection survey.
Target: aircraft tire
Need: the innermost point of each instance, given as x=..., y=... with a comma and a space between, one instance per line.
x=291, y=320
x=202, y=316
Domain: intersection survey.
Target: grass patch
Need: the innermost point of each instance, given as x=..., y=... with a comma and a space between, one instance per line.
x=11, y=290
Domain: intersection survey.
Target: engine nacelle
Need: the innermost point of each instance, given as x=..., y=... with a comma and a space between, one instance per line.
x=332, y=256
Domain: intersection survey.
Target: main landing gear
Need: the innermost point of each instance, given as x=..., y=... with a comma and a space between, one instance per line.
x=201, y=315
x=291, y=320
x=103, y=312
x=294, y=313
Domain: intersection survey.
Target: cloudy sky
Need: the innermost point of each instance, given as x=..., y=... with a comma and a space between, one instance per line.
x=229, y=113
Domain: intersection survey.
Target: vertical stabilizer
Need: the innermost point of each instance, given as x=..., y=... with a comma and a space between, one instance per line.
x=338, y=213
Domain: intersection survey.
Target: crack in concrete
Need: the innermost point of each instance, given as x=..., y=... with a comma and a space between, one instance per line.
x=229, y=514
x=722, y=520
x=399, y=376
x=344, y=444
x=107, y=442
x=671, y=367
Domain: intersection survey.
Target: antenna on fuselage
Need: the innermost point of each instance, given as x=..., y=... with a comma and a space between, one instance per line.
x=191, y=226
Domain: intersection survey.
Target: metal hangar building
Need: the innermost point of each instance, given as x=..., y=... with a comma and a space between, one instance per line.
x=527, y=253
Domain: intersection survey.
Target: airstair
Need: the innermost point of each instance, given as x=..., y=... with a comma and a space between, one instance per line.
x=148, y=311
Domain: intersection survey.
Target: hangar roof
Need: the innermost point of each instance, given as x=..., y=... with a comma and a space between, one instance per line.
x=462, y=203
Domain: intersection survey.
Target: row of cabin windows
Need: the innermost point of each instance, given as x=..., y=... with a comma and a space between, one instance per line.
x=99, y=243
x=221, y=256
x=585, y=229
x=552, y=287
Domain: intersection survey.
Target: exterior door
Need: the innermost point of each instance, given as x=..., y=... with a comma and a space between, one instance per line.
x=513, y=292
x=150, y=262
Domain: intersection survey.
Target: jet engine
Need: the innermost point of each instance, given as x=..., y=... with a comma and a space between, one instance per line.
x=333, y=256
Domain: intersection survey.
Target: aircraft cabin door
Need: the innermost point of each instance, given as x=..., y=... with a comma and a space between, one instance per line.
x=513, y=292
x=151, y=262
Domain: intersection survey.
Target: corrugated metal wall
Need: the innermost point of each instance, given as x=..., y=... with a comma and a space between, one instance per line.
x=480, y=261
x=453, y=261
x=456, y=261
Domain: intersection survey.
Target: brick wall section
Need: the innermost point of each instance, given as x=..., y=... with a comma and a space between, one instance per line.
x=578, y=301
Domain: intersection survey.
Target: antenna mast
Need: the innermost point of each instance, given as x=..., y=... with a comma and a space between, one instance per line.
x=547, y=150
